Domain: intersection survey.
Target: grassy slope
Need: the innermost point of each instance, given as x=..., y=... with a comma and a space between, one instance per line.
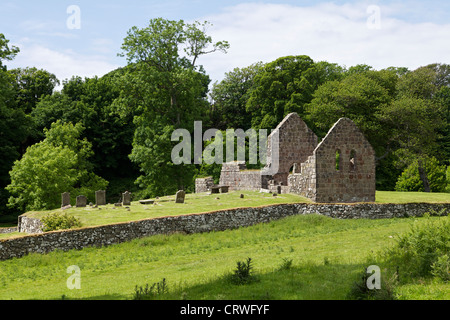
x=327, y=255
x=196, y=203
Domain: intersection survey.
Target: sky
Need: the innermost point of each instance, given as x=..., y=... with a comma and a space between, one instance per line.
x=83, y=38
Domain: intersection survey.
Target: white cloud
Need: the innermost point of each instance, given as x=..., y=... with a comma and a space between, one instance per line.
x=335, y=33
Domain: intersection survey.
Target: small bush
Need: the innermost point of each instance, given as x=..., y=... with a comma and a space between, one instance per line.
x=59, y=221
x=286, y=264
x=243, y=273
x=150, y=292
x=360, y=290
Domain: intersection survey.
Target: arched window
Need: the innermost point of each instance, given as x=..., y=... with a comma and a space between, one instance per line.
x=352, y=160
x=338, y=160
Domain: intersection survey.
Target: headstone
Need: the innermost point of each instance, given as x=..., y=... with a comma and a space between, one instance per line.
x=65, y=199
x=100, y=197
x=223, y=189
x=81, y=201
x=278, y=189
x=126, y=198
x=180, y=196
x=118, y=204
x=242, y=195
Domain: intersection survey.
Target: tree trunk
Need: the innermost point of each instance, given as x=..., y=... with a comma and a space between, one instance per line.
x=423, y=177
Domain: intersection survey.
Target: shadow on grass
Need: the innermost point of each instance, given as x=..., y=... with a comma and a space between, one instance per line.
x=305, y=282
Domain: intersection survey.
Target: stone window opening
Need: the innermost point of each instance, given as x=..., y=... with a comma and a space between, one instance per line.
x=338, y=159
x=294, y=169
x=353, y=160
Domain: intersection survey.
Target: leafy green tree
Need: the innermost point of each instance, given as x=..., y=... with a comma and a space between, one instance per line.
x=410, y=179
x=286, y=85
x=359, y=96
x=230, y=98
x=416, y=119
x=14, y=124
x=55, y=165
x=6, y=52
x=31, y=84
x=171, y=93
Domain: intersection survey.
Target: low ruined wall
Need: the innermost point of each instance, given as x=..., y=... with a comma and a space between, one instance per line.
x=202, y=222
x=203, y=184
x=8, y=230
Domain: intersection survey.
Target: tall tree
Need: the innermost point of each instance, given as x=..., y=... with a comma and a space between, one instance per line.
x=14, y=124
x=172, y=94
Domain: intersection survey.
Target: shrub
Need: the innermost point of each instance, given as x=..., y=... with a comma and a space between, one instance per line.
x=286, y=264
x=360, y=290
x=441, y=268
x=243, y=273
x=421, y=248
x=58, y=221
x=150, y=292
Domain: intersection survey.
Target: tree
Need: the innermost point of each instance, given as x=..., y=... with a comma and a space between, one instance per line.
x=14, y=124
x=230, y=97
x=411, y=180
x=286, y=85
x=359, y=96
x=31, y=85
x=170, y=94
x=55, y=165
x=6, y=52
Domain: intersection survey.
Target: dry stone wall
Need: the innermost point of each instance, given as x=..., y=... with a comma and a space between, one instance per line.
x=202, y=222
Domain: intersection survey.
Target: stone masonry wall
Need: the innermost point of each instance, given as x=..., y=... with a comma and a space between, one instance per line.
x=235, y=175
x=304, y=182
x=202, y=222
x=352, y=182
x=8, y=230
x=203, y=184
x=296, y=143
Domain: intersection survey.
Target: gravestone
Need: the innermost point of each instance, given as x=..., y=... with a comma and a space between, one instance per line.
x=65, y=199
x=180, y=196
x=81, y=201
x=100, y=197
x=126, y=198
x=223, y=189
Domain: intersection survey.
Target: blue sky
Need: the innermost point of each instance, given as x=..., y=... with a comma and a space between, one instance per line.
x=378, y=33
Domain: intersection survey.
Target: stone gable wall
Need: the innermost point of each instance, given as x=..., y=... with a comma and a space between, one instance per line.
x=296, y=143
x=351, y=183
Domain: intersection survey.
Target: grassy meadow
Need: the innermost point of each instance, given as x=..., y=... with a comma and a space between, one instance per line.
x=302, y=257
x=325, y=257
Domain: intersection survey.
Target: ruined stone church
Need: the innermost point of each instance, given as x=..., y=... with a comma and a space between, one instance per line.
x=341, y=168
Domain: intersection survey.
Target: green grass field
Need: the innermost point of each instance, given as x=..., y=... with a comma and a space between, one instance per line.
x=327, y=256
x=203, y=202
